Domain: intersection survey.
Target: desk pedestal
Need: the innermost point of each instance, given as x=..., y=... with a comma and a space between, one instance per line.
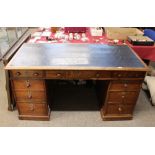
x=117, y=100
x=121, y=99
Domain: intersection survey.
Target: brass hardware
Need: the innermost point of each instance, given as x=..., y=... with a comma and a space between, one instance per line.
x=28, y=84
x=29, y=95
x=125, y=85
x=97, y=75
x=58, y=74
x=36, y=74
x=18, y=73
x=119, y=109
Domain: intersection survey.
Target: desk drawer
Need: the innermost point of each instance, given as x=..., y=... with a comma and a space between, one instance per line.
x=78, y=74
x=122, y=97
x=89, y=74
x=28, y=85
x=125, y=85
x=129, y=74
x=22, y=96
x=25, y=73
x=119, y=109
x=32, y=109
x=56, y=74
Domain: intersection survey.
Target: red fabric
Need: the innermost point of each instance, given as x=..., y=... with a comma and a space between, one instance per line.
x=144, y=52
x=92, y=39
x=75, y=29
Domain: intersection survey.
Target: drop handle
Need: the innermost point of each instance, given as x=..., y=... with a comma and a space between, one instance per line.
x=58, y=74
x=123, y=96
x=18, y=73
x=125, y=85
x=98, y=75
x=36, y=74
x=28, y=84
x=119, y=109
x=30, y=96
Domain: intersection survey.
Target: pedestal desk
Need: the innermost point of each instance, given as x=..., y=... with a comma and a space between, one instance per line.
x=117, y=71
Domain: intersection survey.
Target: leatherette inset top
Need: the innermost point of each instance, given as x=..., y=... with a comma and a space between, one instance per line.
x=65, y=55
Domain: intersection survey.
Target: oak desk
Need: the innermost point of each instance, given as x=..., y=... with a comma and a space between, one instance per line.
x=117, y=71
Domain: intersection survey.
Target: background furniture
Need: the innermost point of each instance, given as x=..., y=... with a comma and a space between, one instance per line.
x=150, y=33
x=144, y=52
x=75, y=29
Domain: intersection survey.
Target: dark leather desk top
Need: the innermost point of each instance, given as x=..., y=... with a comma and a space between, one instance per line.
x=75, y=56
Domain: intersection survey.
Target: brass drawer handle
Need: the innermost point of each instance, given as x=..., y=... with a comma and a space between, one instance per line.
x=36, y=74
x=18, y=73
x=123, y=96
x=29, y=95
x=119, y=109
x=119, y=75
x=125, y=85
x=98, y=75
x=58, y=74
x=28, y=84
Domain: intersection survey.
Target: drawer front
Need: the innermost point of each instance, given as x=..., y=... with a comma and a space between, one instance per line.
x=25, y=73
x=122, y=97
x=29, y=96
x=56, y=74
x=32, y=109
x=28, y=85
x=119, y=109
x=125, y=85
x=78, y=74
x=89, y=74
x=129, y=74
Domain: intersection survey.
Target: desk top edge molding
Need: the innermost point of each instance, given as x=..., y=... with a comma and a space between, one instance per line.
x=76, y=68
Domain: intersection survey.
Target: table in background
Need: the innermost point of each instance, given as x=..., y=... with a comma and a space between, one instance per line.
x=144, y=52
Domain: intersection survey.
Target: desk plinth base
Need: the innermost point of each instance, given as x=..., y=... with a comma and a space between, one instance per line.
x=36, y=118
x=115, y=117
